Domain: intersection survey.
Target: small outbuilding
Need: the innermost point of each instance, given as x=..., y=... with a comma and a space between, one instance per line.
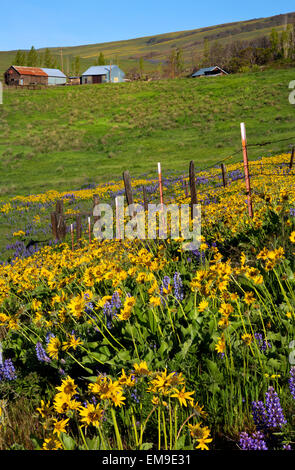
x=74, y=80
x=22, y=76
x=55, y=76
x=103, y=74
x=209, y=72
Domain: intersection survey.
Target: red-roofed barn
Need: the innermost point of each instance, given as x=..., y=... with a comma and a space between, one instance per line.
x=16, y=75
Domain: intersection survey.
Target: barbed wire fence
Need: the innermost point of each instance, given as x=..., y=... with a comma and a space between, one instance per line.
x=198, y=186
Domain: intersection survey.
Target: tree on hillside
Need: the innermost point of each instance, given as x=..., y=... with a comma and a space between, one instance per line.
x=179, y=63
x=20, y=58
x=205, y=61
x=32, y=58
x=101, y=59
x=172, y=63
x=48, y=60
x=77, y=66
x=274, y=43
x=141, y=66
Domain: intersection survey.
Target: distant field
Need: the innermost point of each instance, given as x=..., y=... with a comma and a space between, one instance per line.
x=64, y=138
x=156, y=49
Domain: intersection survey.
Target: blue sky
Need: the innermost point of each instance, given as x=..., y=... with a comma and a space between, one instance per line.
x=71, y=22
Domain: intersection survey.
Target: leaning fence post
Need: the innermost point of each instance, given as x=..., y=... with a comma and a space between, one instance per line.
x=224, y=174
x=61, y=226
x=160, y=183
x=59, y=206
x=96, y=213
x=145, y=200
x=292, y=158
x=246, y=169
x=192, y=183
x=72, y=235
x=54, y=225
x=79, y=229
x=128, y=191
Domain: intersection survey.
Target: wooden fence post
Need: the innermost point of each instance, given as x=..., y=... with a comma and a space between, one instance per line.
x=61, y=227
x=96, y=218
x=54, y=225
x=79, y=229
x=246, y=170
x=292, y=158
x=224, y=175
x=72, y=236
x=160, y=183
x=59, y=206
x=128, y=190
x=192, y=182
x=145, y=200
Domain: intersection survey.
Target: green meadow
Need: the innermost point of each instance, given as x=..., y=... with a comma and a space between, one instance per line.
x=65, y=138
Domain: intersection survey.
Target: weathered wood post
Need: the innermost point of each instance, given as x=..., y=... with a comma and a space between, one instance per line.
x=72, y=236
x=186, y=188
x=160, y=183
x=89, y=229
x=192, y=182
x=79, y=229
x=292, y=158
x=128, y=190
x=58, y=223
x=224, y=175
x=145, y=200
x=96, y=213
x=54, y=225
x=59, y=208
x=246, y=170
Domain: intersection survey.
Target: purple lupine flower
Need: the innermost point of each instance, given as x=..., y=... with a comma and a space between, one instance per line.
x=116, y=302
x=292, y=381
x=178, y=287
x=259, y=415
x=274, y=410
x=287, y=447
x=41, y=354
x=254, y=442
x=262, y=343
x=88, y=308
x=165, y=285
x=7, y=370
x=134, y=395
x=111, y=308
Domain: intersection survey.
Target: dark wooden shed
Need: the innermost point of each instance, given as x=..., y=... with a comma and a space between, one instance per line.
x=23, y=76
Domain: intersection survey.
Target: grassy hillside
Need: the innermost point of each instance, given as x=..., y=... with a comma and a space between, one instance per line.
x=155, y=49
x=65, y=138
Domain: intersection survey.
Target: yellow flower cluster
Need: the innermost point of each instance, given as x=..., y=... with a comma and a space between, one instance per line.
x=69, y=405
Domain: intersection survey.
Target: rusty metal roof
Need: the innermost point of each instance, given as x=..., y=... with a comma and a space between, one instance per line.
x=35, y=71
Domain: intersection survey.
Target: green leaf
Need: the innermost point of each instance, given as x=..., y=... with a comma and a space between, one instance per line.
x=185, y=348
x=68, y=442
x=274, y=363
x=146, y=446
x=180, y=442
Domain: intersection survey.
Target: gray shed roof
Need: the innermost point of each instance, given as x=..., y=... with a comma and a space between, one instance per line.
x=98, y=70
x=54, y=72
x=205, y=70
